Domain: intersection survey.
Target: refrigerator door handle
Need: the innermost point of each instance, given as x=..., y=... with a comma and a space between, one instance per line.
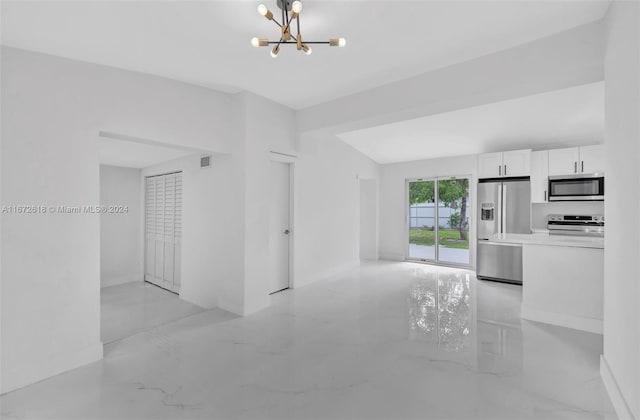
x=503, y=228
x=498, y=228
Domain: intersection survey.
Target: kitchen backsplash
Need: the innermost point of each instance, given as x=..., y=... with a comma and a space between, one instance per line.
x=540, y=211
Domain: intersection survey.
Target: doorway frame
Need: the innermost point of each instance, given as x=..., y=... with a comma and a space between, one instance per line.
x=291, y=161
x=362, y=182
x=470, y=206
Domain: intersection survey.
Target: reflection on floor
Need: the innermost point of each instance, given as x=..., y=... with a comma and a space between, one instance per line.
x=384, y=341
x=130, y=308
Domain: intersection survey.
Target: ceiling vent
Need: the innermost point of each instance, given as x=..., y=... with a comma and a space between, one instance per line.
x=205, y=161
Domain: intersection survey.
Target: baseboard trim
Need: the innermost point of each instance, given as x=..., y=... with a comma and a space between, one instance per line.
x=591, y=325
x=611, y=385
x=22, y=376
x=392, y=257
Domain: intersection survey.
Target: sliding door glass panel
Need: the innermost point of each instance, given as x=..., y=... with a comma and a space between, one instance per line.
x=453, y=221
x=422, y=220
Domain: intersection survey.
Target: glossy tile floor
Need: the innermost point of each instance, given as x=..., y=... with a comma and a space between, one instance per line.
x=130, y=308
x=384, y=341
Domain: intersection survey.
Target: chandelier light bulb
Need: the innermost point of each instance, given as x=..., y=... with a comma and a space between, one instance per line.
x=275, y=51
x=342, y=42
x=259, y=42
x=262, y=9
x=306, y=49
x=296, y=6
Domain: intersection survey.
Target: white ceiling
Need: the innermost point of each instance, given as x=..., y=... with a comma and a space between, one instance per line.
x=563, y=118
x=207, y=42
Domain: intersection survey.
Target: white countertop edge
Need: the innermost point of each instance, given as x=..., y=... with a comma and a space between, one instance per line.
x=548, y=240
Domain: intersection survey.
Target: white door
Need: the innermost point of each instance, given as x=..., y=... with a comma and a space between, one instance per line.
x=163, y=230
x=279, y=229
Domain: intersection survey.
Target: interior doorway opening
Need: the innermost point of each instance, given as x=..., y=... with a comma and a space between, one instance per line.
x=142, y=183
x=368, y=219
x=438, y=221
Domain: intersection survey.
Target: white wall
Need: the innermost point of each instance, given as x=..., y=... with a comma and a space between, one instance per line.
x=327, y=207
x=393, y=199
x=206, y=210
x=268, y=127
x=260, y=126
x=52, y=110
x=50, y=262
x=120, y=233
x=621, y=360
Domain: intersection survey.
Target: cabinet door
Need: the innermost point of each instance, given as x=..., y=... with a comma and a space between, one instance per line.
x=591, y=159
x=516, y=163
x=490, y=165
x=539, y=176
x=564, y=161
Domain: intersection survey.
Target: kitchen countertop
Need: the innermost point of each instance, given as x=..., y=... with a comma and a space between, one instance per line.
x=546, y=239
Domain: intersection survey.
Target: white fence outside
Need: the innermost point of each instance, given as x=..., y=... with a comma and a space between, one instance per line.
x=423, y=215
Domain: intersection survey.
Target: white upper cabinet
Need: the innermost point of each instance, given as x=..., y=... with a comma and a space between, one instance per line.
x=517, y=163
x=564, y=161
x=591, y=159
x=539, y=176
x=576, y=160
x=490, y=165
x=501, y=164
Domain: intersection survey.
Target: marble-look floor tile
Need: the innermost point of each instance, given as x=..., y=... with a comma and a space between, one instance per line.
x=384, y=341
x=130, y=308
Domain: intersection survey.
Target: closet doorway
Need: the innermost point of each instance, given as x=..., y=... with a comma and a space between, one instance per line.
x=163, y=230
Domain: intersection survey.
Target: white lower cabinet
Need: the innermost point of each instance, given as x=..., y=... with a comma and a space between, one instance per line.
x=563, y=285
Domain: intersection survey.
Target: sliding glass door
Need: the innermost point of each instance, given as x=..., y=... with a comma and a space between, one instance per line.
x=453, y=202
x=422, y=220
x=438, y=220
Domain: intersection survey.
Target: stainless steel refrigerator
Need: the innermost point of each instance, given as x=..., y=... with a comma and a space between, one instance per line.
x=504, y=206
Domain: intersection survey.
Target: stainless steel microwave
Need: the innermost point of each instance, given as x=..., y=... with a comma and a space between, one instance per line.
x=578, y=187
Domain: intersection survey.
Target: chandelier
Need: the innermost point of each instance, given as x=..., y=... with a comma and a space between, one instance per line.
x=290, y=11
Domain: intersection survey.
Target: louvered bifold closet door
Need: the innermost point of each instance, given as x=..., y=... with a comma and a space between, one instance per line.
x=150, y=229
x=164, y=228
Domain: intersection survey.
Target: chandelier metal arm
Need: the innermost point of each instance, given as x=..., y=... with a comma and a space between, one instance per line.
x=286, y=32
x=294, y=42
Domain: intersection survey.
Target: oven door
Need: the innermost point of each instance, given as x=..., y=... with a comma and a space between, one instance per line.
x=579, y=187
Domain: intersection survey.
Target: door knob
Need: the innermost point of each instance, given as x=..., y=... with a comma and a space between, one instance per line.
x=286, y=232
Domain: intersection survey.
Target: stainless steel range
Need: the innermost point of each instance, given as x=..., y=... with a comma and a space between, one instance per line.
x=583, y=225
